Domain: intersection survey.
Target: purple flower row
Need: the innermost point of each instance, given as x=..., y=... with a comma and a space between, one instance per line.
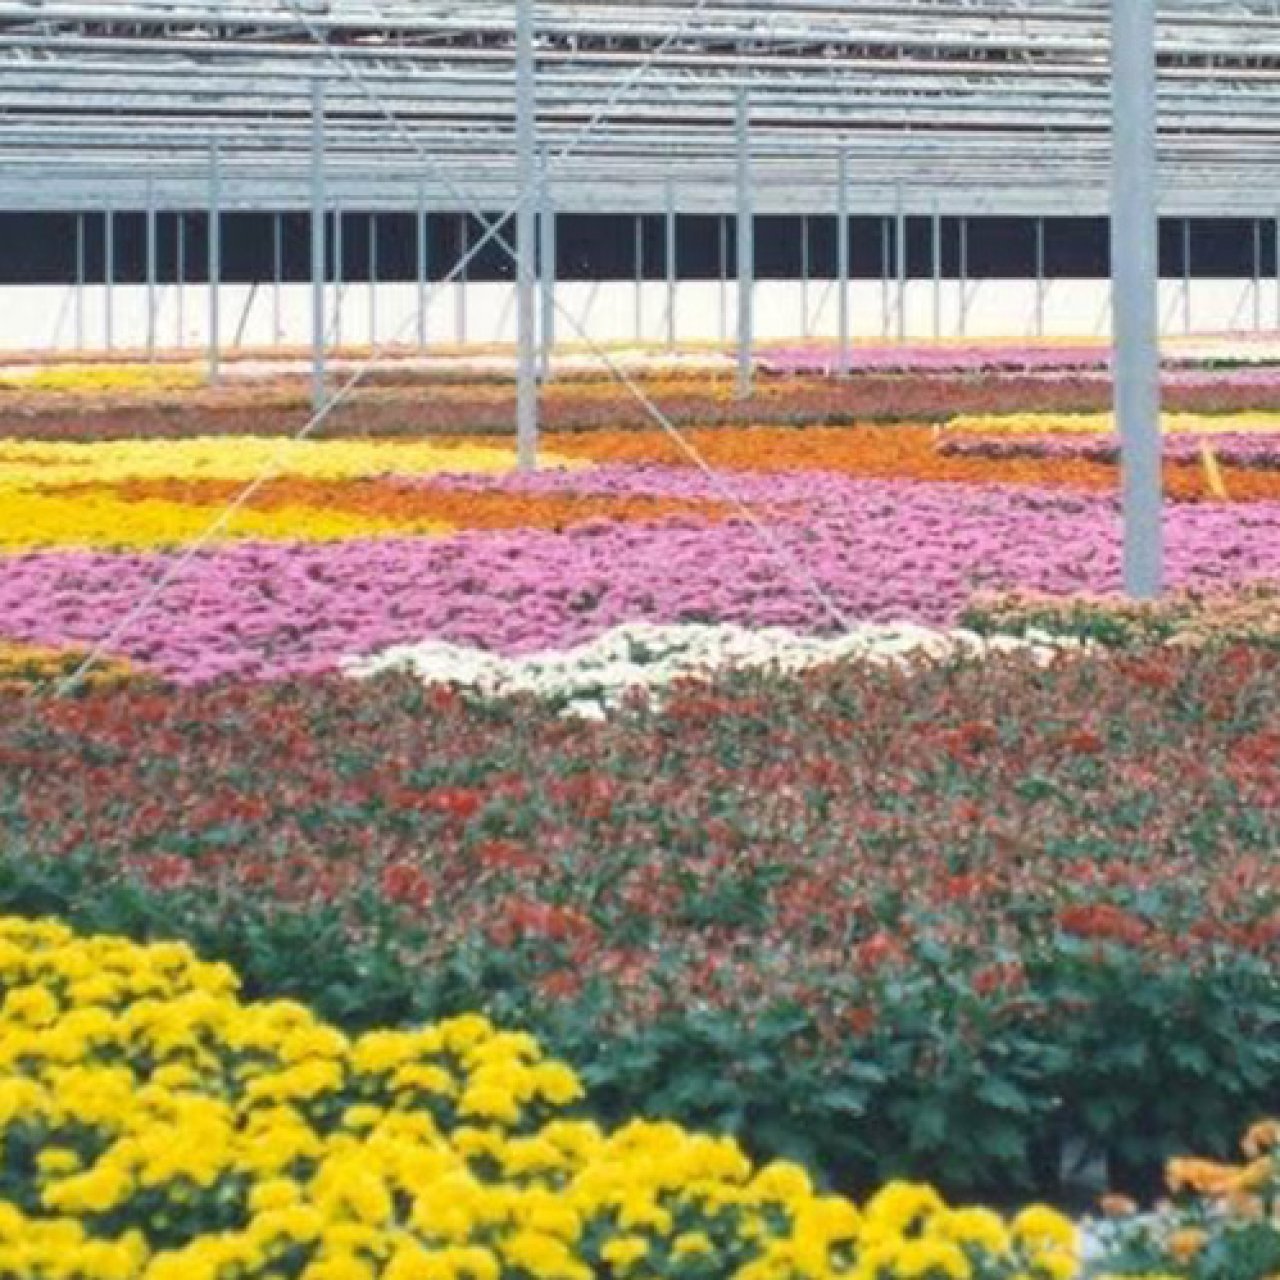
x=828, y=548
x=1240, y=449
x=994, y=358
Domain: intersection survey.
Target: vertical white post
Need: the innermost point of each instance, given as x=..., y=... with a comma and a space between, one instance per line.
x=547, y=253
x=319, y=248
x=724, y=277
x=277, y=279
x=424, y=265
x=1134, y=273
x=935, y=257
x=805, y=272
x=150, y=229
x=1276, y=229
x=900, y=249
x=671, y=265
x=339, y=271
x=1186, y=275
x=886, y=251
x=637, y=257
x=109, y=268
x=843, y=355
x=373, y=280
x=182, y=279
x=460, y=281
x=964, y=276
x=746, y=250
x=1040, y=278
x=1257, y=275
x=526, y=238
x=80, y=271
x=215, y=261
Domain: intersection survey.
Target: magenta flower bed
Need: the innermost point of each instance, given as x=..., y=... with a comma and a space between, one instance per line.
x=986, y=359
x=880, y=550
x=1260, y=452
x=911, y=359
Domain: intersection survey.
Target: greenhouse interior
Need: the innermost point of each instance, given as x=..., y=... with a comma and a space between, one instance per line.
x=640, y=641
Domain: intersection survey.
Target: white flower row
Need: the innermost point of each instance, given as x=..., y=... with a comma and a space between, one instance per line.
x=594, y=678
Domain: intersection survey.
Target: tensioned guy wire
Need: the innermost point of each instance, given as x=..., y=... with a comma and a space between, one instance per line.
x=492, y=231
x=771, y=542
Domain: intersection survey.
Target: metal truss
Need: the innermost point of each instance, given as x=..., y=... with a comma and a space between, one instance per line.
x=938, y=105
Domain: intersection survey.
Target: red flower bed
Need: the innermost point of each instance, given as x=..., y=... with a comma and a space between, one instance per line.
x=480, y=407
x=945, y=920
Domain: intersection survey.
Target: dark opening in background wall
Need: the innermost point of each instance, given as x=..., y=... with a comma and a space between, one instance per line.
x=698, y=247
x=1077, y=249
x=40, y=248
x=1224, y=247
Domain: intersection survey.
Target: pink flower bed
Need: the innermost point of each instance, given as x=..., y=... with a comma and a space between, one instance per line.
x=878, y=550
x=1237, y=449
x=941, y=359
x=979, y=358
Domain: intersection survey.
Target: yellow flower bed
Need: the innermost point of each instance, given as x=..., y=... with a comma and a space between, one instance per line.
x=38, y=465
x=23, y=665
x=1047, y=424
x=103, y=377
x=58, y=495
x=32, y=521
x=156, y=1126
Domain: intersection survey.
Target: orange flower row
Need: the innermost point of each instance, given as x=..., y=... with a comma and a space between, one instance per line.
x=383, y=502
x=23, y=666
x=898, y=452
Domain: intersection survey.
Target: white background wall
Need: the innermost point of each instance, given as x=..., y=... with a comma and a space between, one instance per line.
x=47, y=318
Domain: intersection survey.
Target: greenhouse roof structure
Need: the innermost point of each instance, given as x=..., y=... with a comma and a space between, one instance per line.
x=951, y=106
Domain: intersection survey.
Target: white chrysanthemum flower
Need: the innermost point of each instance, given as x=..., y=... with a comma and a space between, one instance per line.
x=594, y=678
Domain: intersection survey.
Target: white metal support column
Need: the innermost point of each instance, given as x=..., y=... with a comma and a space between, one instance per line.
x=962, y=231
x=339, y=271
x=886, y=253
x=526, y=238
x=637, y=257
x=215, y=261
x=1276, y=230
x=1134, y=269
x=935, y=258
x=423, y=265
x=1257, y=275
x=461, y=281
x=746, y=249
x=900, y=262
x=671, y=264
x=1186, y=275
x=319, y=248
x=181, y=247
x=548, y=251
x=109, y=273
x=277, y=278
x=806, y=270
x=723, y=221
x=843, y=354
x=150, y=249
x=373, y=280
x=1040, y=278
x=80, y=271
